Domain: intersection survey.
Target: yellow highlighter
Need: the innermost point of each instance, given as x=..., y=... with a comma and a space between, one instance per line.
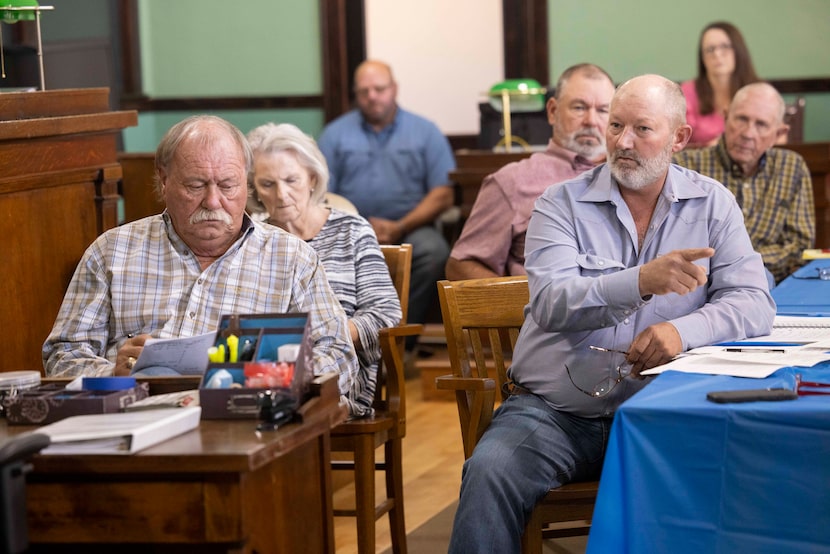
x=233, y=348
x=214, y=356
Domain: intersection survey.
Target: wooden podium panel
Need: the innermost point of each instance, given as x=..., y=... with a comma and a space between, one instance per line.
x=58, y=191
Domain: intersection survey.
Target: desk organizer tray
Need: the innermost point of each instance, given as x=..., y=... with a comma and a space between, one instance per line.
x=52, y=402
x=259, y=337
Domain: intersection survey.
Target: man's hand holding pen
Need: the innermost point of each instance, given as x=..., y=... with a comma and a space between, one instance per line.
x=128, y=353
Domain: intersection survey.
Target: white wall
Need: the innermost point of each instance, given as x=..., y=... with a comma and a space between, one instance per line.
x=445, y=55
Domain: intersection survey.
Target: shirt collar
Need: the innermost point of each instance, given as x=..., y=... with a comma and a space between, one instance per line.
x=386, y=130
x=578, y=163
x=734, y=168
x=604, y=187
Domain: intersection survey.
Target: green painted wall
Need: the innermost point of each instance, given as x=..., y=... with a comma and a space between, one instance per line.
x=152, y=125
x=76, y=19
x=204, y=48
x=786, y=39
x=272, y=47
x=237, y=48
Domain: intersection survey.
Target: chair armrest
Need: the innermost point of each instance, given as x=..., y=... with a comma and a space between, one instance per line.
x=403, y=330
x=392, y=356
x=475, y=407
x=472, y=384
x=22, y=447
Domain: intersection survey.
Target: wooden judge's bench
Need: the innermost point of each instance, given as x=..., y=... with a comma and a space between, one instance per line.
x=474, y=165
x=59, y=176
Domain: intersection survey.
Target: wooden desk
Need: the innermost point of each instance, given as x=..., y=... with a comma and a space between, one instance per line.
x=474, y=165
x=219, y=488
x=58, y=192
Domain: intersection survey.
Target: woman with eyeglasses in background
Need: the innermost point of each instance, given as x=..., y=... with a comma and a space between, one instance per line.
x=723, y=66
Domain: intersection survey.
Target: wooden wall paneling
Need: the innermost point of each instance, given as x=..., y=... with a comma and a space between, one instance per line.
x=140, y=199
x=817, y=156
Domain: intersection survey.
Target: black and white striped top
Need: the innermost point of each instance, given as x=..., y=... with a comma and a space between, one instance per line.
x=359, y=277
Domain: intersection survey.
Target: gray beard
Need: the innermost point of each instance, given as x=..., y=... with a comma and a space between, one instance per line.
x=587, y=151
x=649, y=170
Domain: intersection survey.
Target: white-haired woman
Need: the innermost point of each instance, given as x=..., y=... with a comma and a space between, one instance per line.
x=288, y=187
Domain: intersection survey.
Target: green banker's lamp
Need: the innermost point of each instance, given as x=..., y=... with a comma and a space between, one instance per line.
x=515, y=96
x=12, y=11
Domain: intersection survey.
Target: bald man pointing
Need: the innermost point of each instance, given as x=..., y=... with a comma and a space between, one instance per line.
x=638, y=257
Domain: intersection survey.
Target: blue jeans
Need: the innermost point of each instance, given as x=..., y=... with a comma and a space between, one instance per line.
x=429, y=256
x=528, y=449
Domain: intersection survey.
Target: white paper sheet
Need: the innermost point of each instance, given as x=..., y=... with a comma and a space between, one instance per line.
x=754, y=362
x=186, y=355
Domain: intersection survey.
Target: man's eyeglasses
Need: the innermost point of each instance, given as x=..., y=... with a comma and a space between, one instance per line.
x=810, y=388
x=709, y=50
x=606, y=385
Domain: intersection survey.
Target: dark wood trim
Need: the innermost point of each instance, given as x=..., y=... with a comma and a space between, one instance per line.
x=143, y=103
x=130, y=48
x=334, y=34
x=463, y=142
x=801, y=85
x=343, y=32
x=526, y=40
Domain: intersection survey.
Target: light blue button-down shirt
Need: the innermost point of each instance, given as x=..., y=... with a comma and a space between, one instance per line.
x=583, y=259
x=387, y=173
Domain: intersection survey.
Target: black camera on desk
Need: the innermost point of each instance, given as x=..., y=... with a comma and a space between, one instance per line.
x=276, y=407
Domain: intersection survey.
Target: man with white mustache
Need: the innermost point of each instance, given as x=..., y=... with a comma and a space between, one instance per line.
x=493, y=238
x=176, y=273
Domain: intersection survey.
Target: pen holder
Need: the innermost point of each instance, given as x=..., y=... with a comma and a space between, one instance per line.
x=266, y=334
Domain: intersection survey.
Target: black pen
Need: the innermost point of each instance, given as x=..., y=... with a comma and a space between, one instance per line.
x=762, y=350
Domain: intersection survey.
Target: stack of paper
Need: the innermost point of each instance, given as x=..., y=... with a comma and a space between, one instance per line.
x=794, y=341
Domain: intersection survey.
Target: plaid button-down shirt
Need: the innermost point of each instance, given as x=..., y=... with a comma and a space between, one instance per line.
x=777, y=202
x=142, y=278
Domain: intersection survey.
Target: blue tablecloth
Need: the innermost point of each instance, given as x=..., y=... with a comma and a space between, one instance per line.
x=686, y=475
x=803, y=293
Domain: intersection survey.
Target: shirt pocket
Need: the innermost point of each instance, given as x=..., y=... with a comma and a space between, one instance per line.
x=592, y=265
x=355, y=164
x=407, y=163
